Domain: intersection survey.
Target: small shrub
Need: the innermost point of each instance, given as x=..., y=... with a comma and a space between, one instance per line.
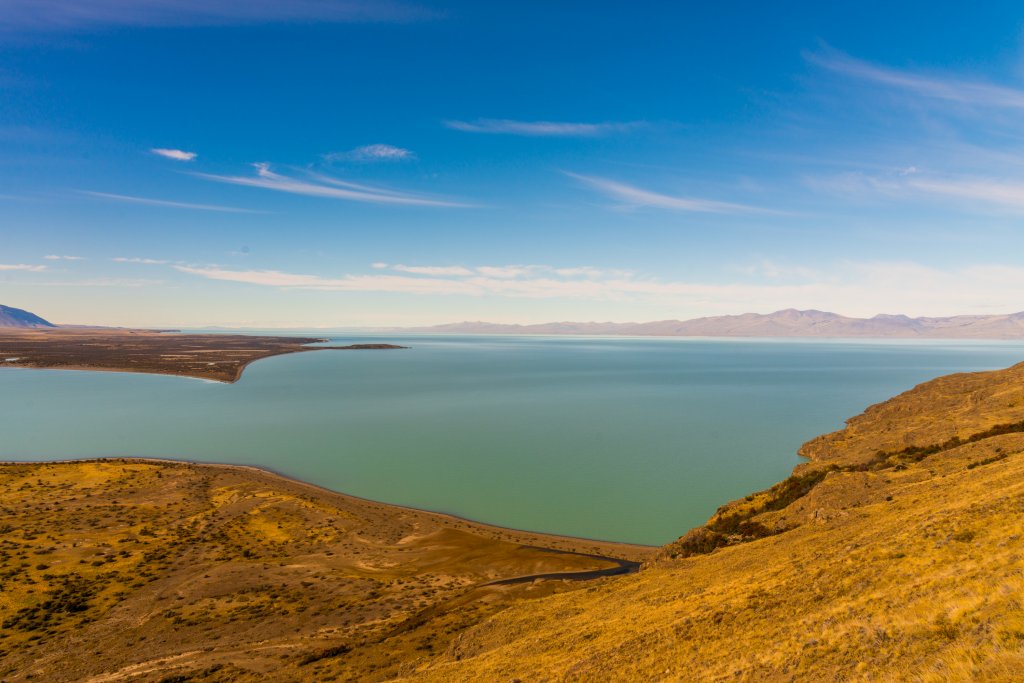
x=335, y=651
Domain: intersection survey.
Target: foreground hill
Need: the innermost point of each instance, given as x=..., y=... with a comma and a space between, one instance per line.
x=121, y=570
x=17, y=318
x=896, y=553
x=787, y=323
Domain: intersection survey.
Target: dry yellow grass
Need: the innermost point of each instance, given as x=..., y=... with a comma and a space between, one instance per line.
x=954, y=405
x=926, y=587
x=143, y=571
x=905, y=572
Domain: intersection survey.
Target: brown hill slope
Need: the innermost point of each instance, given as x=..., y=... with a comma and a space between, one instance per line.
x=902, y=565
x=160, y=571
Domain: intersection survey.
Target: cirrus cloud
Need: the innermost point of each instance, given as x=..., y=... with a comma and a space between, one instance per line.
x=85, y=14
x=368, y=153
x=631, y=195
x=431, y=270
x=852, y=288
x=327, y=187
x=166, y=203
x=971, y=93
x=176, y=154
x=541, y=128
x=973, y=194
x=135, y=259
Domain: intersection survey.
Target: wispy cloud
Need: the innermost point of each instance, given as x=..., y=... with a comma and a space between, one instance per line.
x=79, y=14
x=372, y=153
x=959, y=143
x=136, y=259
x=59, y=257
x=433, y=270
x=164, y=202
x=542, y=128
x=776, y=271
x=176, y=154
x=589, y=271
x=508, y=272
x=475, y=285
x=114, y=282
x=952, y=89
x=968, y=193
x=331, y=188
x=502, y=272
x=993, y=192
x=532, y=281
x=22, y=266
x=636, y=196
x=851, y=288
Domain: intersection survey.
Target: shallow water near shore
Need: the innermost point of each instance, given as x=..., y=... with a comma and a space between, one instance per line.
x=614, y=438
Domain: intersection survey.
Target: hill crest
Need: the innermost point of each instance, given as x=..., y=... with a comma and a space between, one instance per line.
x=22, y=319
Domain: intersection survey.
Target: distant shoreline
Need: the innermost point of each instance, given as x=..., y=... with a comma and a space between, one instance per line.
x=214, y=357
x=788, y=323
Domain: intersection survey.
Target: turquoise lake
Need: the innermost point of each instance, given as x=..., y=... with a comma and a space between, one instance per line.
x=622, y=439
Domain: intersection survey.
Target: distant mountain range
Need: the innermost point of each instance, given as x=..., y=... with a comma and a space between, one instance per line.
x=15, y=317
x=787, y=323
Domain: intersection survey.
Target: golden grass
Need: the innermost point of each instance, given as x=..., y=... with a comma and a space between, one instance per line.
x=902, y=570
x=925, y=587
x=148, y=570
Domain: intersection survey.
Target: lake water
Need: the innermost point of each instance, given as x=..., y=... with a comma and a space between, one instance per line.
x=621, y=439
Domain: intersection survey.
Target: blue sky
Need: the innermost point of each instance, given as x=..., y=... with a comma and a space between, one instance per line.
x=323, y=164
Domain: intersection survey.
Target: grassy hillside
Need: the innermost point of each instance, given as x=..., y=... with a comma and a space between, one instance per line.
x=160, y=571
x=897, y=554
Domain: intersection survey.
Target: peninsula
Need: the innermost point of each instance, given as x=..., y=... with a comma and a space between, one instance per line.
x=28, y=341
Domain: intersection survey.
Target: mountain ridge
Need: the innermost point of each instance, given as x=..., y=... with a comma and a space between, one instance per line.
x=788, y=322
x=21, y=319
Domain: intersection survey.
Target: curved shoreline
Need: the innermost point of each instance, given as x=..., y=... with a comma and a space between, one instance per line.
x=168, y=373
x=634, y=553
x=216, y=357
x=624, y=567
x=271, y=564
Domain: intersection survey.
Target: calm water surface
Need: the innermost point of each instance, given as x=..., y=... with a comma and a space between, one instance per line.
x=625, y=439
